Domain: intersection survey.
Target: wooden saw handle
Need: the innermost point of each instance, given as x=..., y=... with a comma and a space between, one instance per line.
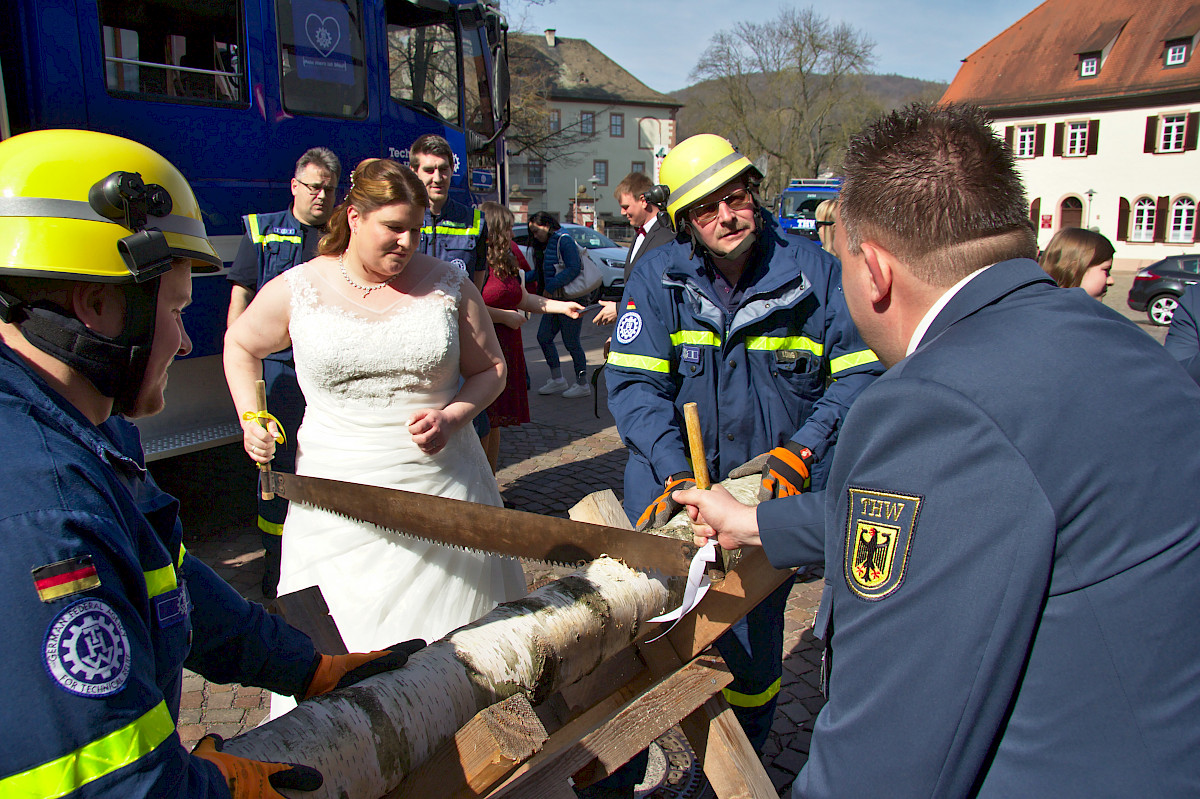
x=691, y=418
x=260, y=391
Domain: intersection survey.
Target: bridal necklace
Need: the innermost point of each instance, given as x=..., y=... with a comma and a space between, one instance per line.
x=366, y=290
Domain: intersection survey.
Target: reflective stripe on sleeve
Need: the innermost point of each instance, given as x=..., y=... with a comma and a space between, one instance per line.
x=851, y=360
x=785, y=343
x=643, y=362
x=160, y=581
x=97, y=759
x=751, y=700
x=703, y=337
x=182, y=552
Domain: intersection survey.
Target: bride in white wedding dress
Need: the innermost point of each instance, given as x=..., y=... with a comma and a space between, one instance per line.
x=396, y=354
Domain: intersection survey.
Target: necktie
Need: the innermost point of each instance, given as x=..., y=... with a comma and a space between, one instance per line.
x=641, y=231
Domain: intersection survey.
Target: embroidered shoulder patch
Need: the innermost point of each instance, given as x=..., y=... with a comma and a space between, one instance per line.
x=629, y=326
x=87, y=651
x=879, y=531
x=65, y=578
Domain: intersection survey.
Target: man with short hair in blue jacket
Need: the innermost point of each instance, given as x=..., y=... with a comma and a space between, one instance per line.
x=1011, y=550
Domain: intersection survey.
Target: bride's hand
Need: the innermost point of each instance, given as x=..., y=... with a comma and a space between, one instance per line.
x=430, y=430
x=258, y=441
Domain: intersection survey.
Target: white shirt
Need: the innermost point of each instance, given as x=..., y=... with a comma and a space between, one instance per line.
x=637, y=242
x=937, y=307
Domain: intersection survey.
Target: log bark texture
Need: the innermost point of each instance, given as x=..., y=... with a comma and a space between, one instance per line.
x=367, y=738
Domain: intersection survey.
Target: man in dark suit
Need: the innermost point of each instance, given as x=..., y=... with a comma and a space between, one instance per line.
x=651, y=230
x=1005, y=607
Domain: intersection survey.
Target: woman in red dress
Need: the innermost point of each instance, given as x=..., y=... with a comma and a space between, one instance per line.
x=507, y=301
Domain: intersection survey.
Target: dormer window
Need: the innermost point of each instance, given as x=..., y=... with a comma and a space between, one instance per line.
x=1089, y=65
x=1176, y=54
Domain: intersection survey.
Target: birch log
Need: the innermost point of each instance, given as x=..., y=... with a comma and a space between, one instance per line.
x=365, y=739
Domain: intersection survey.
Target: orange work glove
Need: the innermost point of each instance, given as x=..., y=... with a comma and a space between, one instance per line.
x=339, y=671
x=255, y=779
x=663, y=508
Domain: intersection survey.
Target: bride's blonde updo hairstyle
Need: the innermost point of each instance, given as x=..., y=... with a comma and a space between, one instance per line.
x=376, y=182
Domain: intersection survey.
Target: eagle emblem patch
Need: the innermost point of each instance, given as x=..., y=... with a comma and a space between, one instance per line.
x=879, y=532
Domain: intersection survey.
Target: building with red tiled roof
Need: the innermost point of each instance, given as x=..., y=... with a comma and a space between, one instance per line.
x=1101, y=105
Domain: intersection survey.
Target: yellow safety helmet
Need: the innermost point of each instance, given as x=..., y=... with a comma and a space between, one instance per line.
x=698, y=166
x=80, y=205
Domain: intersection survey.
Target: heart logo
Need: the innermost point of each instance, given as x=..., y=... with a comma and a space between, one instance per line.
x=323, y=34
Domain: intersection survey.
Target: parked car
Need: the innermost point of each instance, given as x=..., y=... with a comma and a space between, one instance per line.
x=1157, y=288
x=607, y=254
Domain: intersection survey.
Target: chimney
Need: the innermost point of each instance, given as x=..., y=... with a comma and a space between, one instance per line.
x=550, y=36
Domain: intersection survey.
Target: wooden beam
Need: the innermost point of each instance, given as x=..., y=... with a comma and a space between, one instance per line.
x=601, y=507
x=306, y=611
x=628, y=732
x=730, y=763
x=481, y=754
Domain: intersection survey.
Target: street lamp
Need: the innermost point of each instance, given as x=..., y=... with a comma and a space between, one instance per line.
x=1089, y=194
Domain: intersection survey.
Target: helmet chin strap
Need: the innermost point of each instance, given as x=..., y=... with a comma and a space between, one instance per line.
x=743, y=247
x=116, y=366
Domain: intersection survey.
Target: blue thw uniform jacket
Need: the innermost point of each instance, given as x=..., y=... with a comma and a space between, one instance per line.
x=104, y=608
x=1183, y=339
x=785, y=364
x=458, y=237
x=1012, y=554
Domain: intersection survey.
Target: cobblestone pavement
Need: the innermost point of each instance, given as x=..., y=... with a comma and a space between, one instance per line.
x=546, y=466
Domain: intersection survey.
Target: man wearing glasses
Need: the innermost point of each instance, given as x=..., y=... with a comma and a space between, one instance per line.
x=750, y=324
x=273, y=244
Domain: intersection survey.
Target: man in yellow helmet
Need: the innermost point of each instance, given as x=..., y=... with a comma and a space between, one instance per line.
x=103, y=606
x=751, y=325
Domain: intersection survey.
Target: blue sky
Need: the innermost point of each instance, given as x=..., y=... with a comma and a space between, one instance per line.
x=660, y=41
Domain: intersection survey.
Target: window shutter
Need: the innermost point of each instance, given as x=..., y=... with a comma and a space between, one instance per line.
x=1160, y=219
x=1151, y=143
x=1189, y=132
x=1035, y=211
x=1123, y=220
x=1059, y=128
x=1093, y=144
x=1039, y=141
x=1008, y=136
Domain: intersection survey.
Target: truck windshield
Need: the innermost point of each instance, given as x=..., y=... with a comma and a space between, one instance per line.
x=423, y=60
x=798, y=205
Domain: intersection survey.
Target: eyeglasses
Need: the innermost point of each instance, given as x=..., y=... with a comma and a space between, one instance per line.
x=316, y=188
x=737, y=200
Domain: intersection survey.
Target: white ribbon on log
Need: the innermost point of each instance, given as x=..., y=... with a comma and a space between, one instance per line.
x=697, y=587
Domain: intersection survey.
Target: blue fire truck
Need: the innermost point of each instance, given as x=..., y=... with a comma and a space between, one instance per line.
x=798, y=203
x=232, y=92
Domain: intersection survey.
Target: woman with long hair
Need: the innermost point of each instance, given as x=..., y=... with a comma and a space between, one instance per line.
x=506, y=298
x=395, y=354
x=1078, y=258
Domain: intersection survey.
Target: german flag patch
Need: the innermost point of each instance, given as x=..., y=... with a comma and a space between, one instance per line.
x=65, y=578
x=629, y=306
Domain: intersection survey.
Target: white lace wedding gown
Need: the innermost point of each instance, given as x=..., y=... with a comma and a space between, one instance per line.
x=363, y=373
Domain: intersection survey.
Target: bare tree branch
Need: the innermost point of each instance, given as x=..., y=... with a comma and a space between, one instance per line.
x=790, y=88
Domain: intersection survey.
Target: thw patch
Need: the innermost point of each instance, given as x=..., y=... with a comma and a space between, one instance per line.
x=87, y=651
x=879, y=531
